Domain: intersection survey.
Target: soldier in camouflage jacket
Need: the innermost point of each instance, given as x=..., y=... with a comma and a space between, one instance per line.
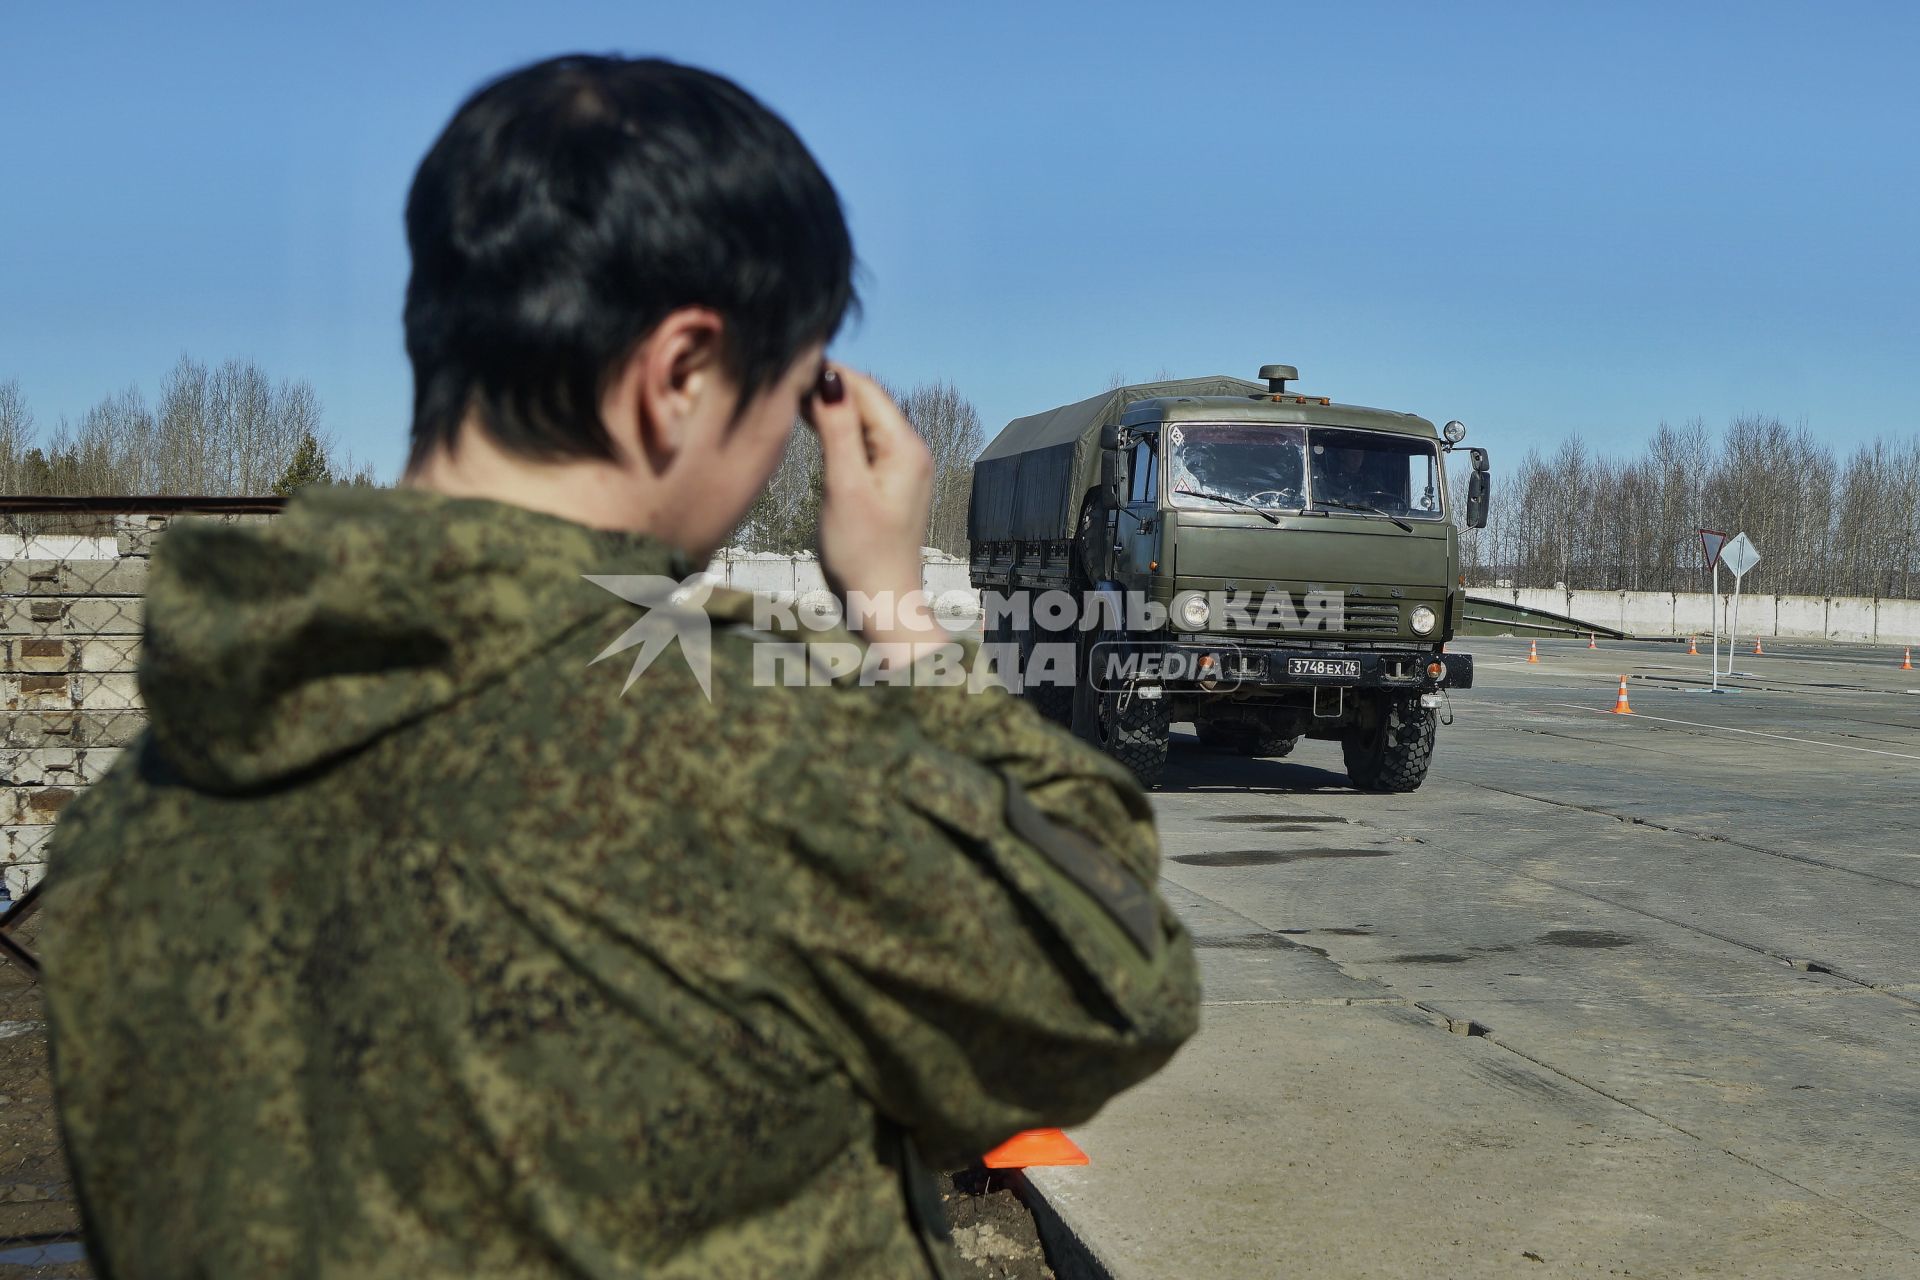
x=412, y=941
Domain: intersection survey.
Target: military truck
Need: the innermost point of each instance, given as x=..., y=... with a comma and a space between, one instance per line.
x=1263, y=564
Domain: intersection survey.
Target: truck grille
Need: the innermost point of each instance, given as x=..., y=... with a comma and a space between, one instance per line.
x=1365, y=617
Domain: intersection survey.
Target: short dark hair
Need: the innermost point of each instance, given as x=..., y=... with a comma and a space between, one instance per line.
x=569, y=207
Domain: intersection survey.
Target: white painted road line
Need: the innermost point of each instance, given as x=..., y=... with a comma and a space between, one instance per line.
x=1756, y=733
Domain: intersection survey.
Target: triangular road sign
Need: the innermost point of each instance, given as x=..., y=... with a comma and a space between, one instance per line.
x=1711, y=540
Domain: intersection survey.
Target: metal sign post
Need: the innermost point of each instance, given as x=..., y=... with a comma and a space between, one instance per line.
x=1713, y=617
x=1733, y=623
x=1711, y=543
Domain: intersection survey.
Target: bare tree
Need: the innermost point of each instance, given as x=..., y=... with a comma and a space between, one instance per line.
x=785, y=517
x=950, y=425
x=16, y=435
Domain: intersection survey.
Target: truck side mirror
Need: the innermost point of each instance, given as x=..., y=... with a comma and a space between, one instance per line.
x=1477, y=487
x=1479, y=457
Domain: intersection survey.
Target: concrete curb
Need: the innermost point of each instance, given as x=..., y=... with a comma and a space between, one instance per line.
x=1069, y=1253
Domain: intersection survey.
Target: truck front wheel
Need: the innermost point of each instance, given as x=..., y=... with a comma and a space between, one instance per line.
x=1135, y=734
x=1392, y=754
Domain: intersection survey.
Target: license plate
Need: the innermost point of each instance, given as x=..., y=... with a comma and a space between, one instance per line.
x=1335, y=668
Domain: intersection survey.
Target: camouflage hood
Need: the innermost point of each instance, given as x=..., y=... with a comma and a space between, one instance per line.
x=274, y=649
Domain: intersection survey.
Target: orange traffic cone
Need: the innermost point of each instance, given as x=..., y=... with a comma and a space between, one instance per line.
x=1693, y=647
x=1906, y=663
x=1620, y=707
x=1533, y=651
x=1756, y=646
x=1590, y=643
x=1034, y=1147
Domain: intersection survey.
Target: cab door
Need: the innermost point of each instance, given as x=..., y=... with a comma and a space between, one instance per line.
x=1139, y=521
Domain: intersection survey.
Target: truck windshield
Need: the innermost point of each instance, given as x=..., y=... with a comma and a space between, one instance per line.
x=1259, y=466
x=1394, y=475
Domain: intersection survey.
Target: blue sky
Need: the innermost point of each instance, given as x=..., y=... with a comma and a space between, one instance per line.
x=1537, y=218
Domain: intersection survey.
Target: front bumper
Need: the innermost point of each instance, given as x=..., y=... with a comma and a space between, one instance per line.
x=1243, y=666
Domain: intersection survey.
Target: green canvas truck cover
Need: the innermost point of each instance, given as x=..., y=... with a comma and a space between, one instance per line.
x=1028, y=482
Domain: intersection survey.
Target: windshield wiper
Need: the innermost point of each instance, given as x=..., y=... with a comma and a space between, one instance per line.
x=1262, y=512
x=1362, y=507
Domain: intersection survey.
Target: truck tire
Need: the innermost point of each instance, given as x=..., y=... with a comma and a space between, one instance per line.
x=1245, y=739
x=1087, y=557
x=1137, y=735
x=1000, y=632
x=1053, y=701
x=1395, y=753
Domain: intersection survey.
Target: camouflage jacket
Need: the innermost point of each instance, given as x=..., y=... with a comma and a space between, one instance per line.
x=407, y=944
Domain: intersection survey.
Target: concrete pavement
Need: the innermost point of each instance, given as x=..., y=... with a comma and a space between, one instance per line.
x=1609, y=995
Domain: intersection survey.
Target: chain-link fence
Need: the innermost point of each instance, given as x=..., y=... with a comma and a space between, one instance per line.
x=72, y=573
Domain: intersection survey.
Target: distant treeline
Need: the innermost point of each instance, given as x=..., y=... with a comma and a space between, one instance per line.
x=1824, y=524
x=232, y=430
x=227, y=430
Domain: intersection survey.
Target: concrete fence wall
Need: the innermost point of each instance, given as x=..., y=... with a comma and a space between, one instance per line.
x=1855, y=619
x=789, y=577
x=70, y=627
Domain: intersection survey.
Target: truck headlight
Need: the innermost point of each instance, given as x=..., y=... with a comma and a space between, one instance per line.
x=1422, y=619
x=1191, y=610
